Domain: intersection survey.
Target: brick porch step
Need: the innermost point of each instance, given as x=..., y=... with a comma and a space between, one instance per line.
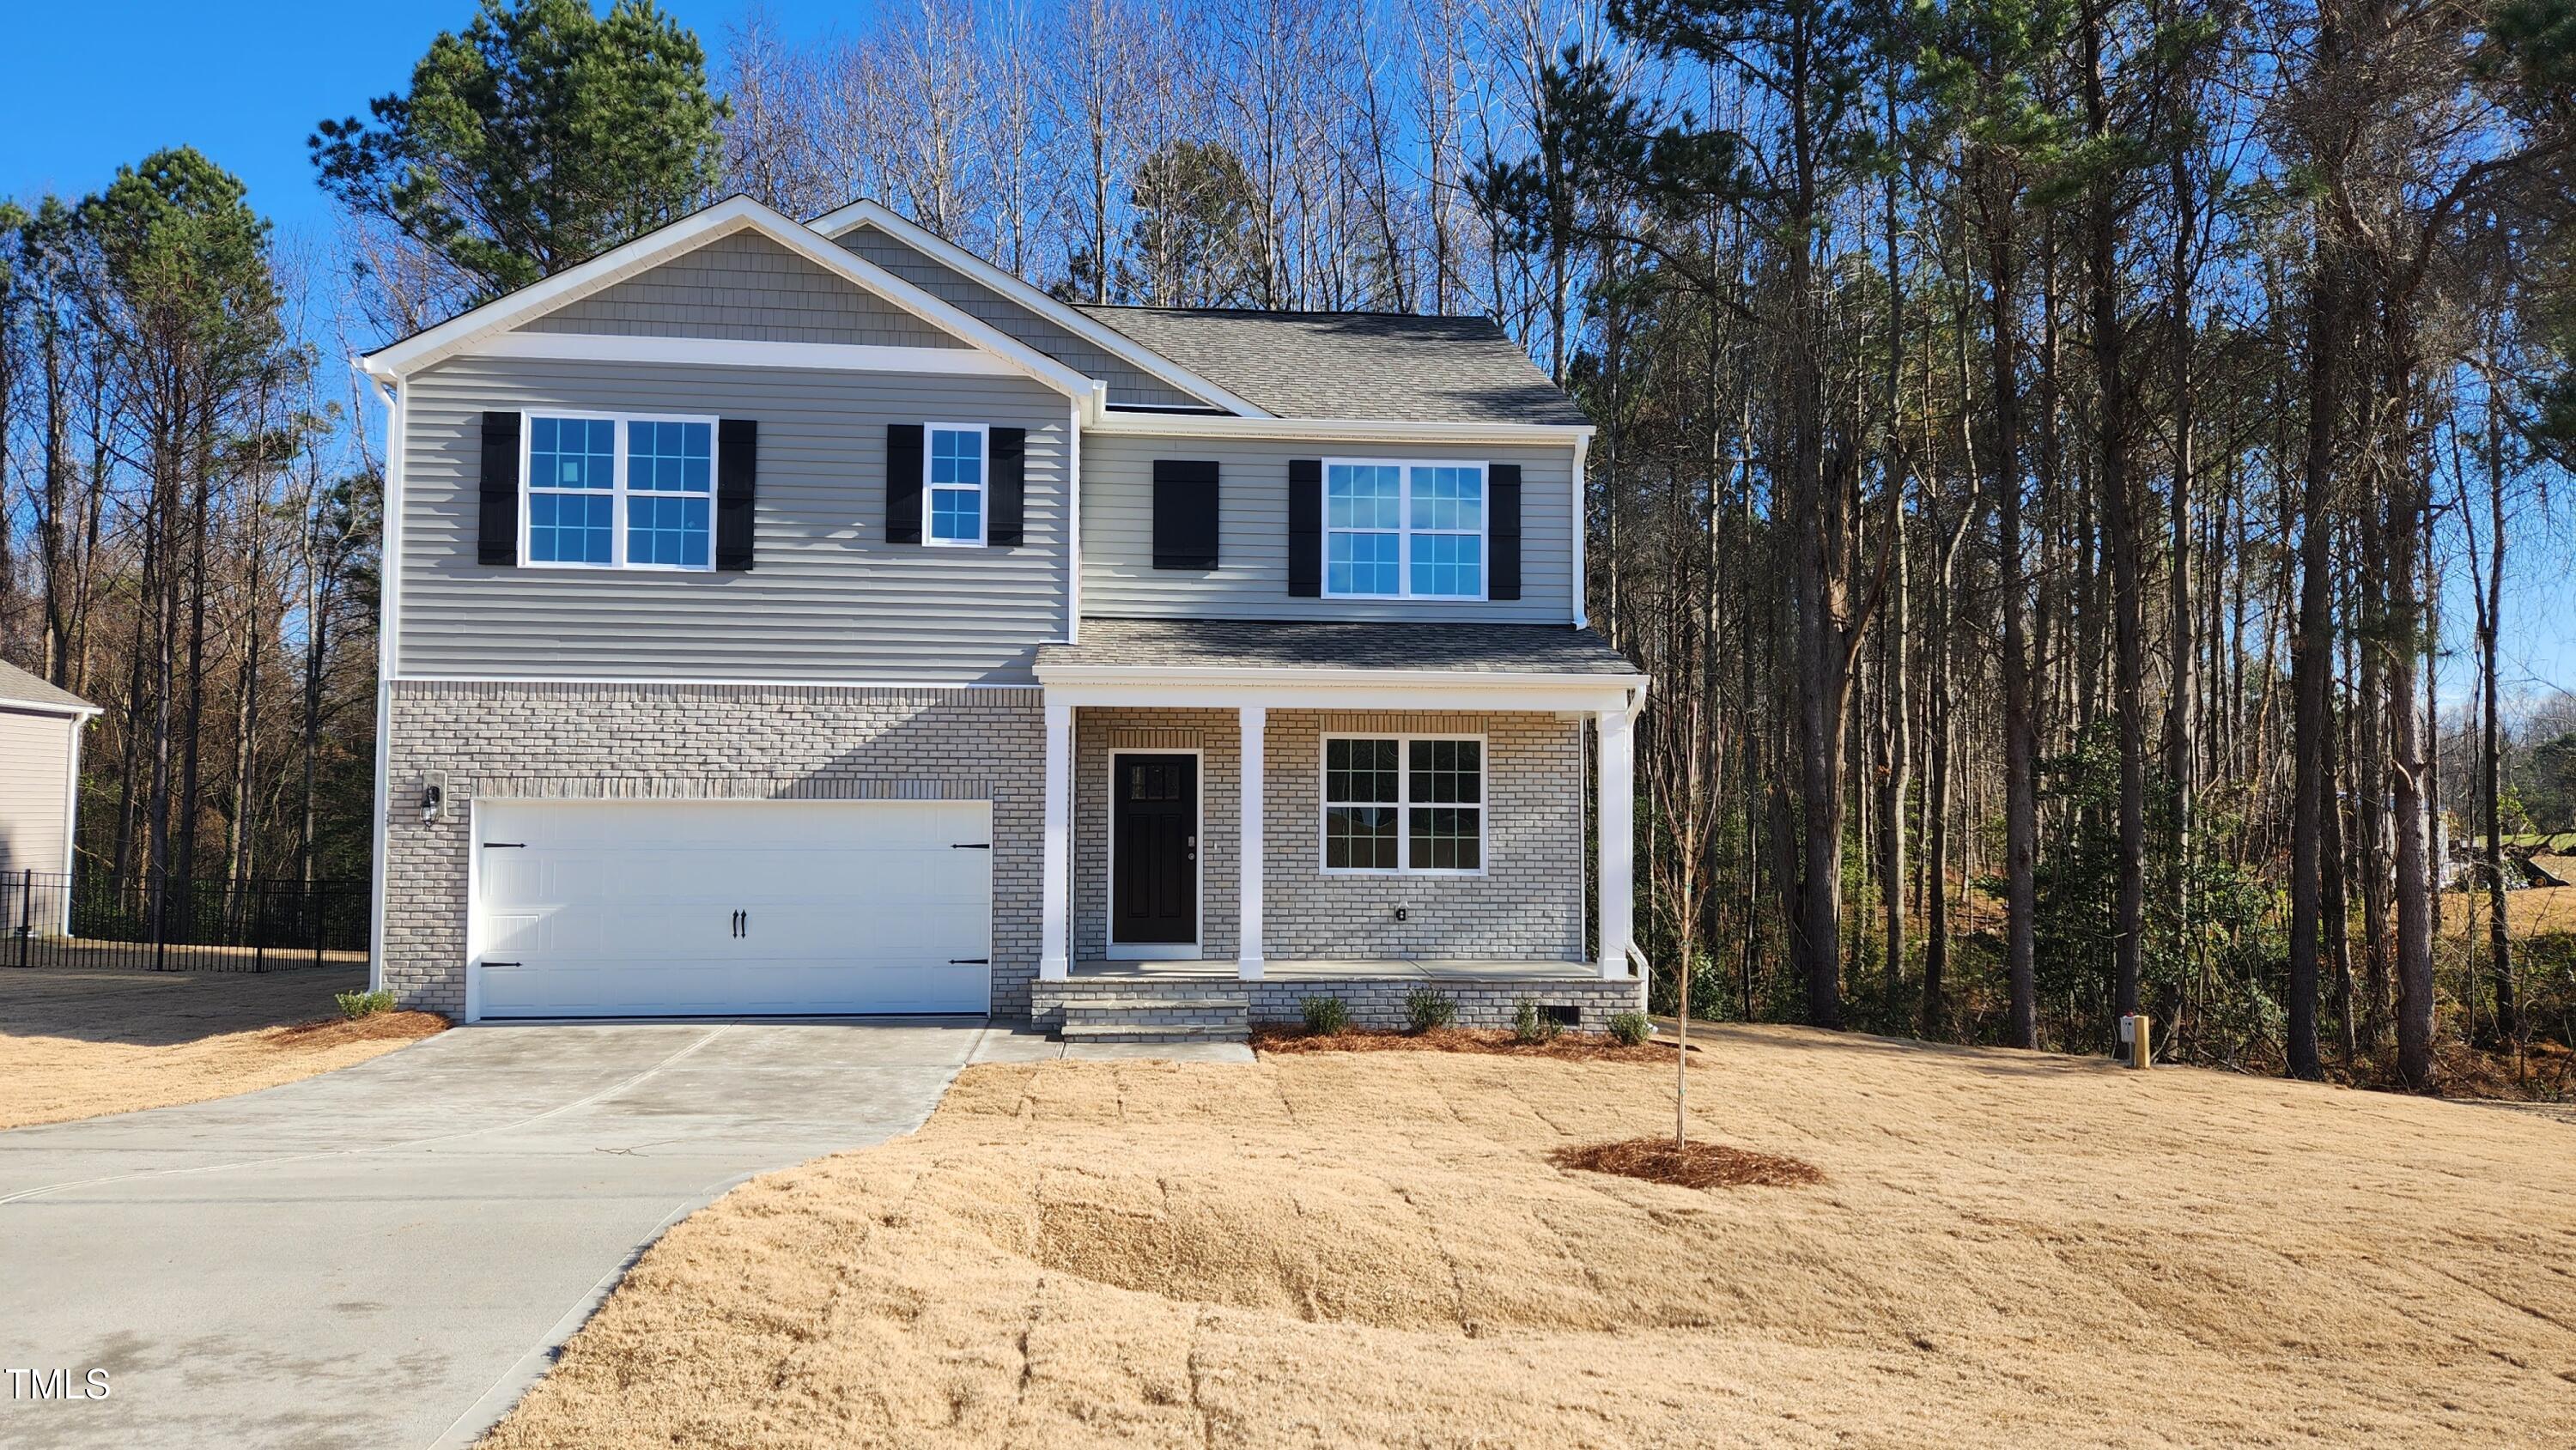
x=1150, y=1013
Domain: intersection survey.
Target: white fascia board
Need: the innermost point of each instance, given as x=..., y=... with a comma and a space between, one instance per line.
x=1341, y=430
x=1369, y=690
x=1072, y=319
x=50, y=707
x=734, y=214
x=741, y=352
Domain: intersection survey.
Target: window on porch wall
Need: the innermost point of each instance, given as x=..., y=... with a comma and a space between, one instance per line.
x=1404, y=804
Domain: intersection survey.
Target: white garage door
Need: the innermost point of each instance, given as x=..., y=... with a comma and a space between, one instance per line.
x=719, y=908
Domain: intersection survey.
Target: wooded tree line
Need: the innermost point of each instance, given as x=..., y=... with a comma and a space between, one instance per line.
x=2047, y=448
x=184, y=537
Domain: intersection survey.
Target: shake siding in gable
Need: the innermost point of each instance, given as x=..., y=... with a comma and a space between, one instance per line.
x=1251, y=579
x=743, y=286
x=828, y=599
x=1128, y=385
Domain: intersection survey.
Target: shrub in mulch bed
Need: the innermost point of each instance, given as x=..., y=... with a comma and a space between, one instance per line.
x=1695, y=1165
x=1565, y=1046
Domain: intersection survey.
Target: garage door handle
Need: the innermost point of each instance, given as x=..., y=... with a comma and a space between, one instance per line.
x=505, y=845
x=970, y=961
x=505, y=964
x=970, y=845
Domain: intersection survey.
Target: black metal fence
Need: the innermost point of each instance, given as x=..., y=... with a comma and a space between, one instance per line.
x=49, y=919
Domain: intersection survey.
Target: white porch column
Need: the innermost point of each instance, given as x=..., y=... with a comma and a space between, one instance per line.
x=1255, y=725
x=1055, y=889
x=1618, y=872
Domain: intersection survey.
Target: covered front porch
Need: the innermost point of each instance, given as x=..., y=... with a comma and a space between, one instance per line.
x=1230, y=837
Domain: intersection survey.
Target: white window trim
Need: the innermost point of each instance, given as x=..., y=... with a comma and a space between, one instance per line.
x=617, y=490
x=983, y=488
x=1404, y=530
x=1404, y=804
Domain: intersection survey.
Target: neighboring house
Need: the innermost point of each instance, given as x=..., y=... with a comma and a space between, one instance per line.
x=799, y=619
x=40, y=744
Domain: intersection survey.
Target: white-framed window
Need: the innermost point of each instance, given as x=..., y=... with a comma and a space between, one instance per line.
x=956, y=461
x=1404, y=803
x=617, y=491
x=1404, y=529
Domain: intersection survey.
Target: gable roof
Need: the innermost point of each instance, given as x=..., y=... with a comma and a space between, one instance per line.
x=32, y=691
x=733, y=214
x=1017, y=289
x=1364, y=366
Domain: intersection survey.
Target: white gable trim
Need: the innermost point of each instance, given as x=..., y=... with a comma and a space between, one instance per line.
x=734, y=214
x=1081, y=324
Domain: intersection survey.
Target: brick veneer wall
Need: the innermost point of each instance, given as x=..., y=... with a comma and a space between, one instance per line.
x=1485, y=1002
x=1374, y=1001
x=1214, y=733
x=507, y=740
x=1528, y=906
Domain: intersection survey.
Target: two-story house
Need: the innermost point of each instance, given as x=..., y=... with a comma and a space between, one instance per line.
x=799, y=619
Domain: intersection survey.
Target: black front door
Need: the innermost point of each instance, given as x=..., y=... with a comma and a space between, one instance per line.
x=1154, y=830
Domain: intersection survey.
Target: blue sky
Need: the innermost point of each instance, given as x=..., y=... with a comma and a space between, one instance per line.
x=96, y=83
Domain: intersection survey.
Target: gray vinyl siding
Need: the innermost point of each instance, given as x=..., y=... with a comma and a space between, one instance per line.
x=1251, y=577
x=828, y=599
x=1128, y=384
x=35, y=764
x=743, y=286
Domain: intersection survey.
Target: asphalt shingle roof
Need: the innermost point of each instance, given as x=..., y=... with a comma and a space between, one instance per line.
x=1551, y=649
x=1366, y=366
x=30, y=689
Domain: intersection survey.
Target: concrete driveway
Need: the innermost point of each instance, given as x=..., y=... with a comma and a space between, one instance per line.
x=388, y=1255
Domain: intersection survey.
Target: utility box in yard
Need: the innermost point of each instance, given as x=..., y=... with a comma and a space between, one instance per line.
x=2137, y=1045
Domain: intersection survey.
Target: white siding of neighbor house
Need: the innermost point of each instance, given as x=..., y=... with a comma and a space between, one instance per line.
x=1251, y=577
x=35, y=765
x=828, y=599
x=1128, y=384
x=744, y=286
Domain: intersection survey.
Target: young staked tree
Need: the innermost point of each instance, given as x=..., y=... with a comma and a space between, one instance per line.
x=540, y=135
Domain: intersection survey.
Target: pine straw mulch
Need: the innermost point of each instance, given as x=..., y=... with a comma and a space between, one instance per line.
x=1564, y=1047
x=333, y=1031
x=80, y=1042
x=1693, y=1165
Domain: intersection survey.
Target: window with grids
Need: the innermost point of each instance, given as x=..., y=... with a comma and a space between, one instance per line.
x=611, y=493
x=956, y=484
x=1404, y=804
x=1398, y=530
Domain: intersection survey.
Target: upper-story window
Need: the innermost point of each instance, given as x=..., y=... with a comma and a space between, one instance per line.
x=1396, y=529
x=956, y=483
x=620, y=493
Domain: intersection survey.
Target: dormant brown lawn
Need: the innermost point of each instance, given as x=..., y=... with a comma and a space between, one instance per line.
x=77, y=1043
x=1366, y=1249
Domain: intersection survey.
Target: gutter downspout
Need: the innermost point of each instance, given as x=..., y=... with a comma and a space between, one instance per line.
x=390, y=568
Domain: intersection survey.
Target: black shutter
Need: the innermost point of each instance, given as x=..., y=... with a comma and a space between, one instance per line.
x=1305, y=527
x=737, y=480
x=498, y=539
x=903, y=483
x=1008, y=493
x=1185, y=513
x=1503, y=530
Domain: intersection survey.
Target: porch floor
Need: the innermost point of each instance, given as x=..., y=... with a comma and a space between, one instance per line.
x=1319, y=971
